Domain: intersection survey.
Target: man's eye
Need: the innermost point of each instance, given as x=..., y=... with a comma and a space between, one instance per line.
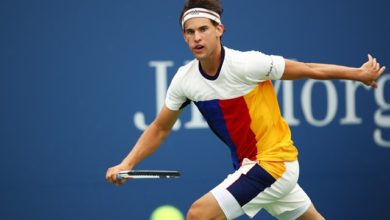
x=203, y=29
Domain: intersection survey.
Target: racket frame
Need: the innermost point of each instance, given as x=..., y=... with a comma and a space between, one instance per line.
x=148, y=174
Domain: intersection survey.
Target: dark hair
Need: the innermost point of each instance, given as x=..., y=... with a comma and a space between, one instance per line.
x=213, y=5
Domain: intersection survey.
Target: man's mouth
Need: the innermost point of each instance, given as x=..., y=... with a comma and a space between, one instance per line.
x=198, y=47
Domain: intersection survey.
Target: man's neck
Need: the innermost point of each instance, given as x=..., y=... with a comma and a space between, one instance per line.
x=210, y=66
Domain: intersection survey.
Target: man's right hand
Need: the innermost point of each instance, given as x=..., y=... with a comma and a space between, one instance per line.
x=111, y=174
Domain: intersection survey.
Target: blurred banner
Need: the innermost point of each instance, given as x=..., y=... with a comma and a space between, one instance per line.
x=80, y=81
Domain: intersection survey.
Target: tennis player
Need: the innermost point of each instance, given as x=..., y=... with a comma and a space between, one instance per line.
x=233, y=91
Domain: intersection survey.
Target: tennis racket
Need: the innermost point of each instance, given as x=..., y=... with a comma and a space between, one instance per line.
x=148, y=174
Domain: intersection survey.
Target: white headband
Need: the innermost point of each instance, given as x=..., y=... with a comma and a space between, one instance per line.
x=200, y=13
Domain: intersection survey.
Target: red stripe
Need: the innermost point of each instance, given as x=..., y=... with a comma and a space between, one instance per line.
x=238, y=121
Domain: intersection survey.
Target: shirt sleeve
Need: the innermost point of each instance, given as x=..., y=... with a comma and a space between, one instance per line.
x=260, y=67
x=175, y=98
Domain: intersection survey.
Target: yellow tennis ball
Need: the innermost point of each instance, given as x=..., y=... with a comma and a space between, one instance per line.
x=166, y=212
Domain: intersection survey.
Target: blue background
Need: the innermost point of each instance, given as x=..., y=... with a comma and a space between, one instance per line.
x=73, y=74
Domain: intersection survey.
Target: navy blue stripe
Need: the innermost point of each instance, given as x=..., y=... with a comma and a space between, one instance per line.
x=249, y=185
x=213, y=114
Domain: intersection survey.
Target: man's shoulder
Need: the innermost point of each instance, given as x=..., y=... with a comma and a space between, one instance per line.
x=235, y=52
x=188, y=67
x=238, y=58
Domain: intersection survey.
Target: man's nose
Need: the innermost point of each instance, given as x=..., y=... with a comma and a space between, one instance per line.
x=197, y=36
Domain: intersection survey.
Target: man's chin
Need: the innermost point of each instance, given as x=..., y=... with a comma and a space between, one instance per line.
x=199, y=57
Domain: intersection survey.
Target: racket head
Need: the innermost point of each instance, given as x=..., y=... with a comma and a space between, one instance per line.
x=148, y=174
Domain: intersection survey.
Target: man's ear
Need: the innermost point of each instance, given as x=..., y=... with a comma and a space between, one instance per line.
x=220, y=29
x=184, y=36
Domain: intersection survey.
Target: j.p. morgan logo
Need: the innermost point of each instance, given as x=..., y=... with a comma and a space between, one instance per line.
x=286, y=89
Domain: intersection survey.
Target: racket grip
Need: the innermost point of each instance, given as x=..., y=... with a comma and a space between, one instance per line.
x=119, y=176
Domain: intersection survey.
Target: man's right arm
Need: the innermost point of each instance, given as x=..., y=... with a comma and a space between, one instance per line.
x=149, y=141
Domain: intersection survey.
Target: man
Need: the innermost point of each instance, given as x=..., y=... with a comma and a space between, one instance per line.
x=233, y=91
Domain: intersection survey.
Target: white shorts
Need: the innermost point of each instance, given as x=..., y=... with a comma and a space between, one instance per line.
x=252, y=188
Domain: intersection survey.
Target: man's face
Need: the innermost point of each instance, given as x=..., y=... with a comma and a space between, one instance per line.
x=202, y=37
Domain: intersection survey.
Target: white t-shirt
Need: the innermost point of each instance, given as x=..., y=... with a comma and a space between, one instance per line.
x=240, y=73
x=240, y=105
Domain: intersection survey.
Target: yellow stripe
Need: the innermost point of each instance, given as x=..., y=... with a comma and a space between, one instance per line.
x=273, y=136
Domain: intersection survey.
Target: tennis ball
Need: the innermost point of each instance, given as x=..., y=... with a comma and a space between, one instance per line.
x=166, y=212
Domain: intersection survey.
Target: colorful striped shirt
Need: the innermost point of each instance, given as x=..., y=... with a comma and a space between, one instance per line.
x=240, y=106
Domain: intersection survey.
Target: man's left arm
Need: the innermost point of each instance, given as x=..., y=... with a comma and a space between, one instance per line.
x=366, y=74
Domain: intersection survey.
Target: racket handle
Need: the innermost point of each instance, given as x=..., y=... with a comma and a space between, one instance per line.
x=120, y=176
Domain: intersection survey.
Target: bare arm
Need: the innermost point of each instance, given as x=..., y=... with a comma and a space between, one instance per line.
x=149, y=141
x=366, y=74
